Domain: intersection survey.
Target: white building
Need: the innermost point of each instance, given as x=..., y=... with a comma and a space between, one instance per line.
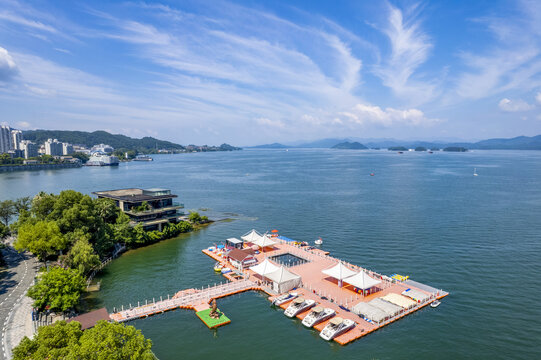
x=16, y=138
x=30, y=149
x=67, y=149
x=103, y=148
x=5, y=139
x=53, y=147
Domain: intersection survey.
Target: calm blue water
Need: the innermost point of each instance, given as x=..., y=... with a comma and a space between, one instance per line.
x=422, y=214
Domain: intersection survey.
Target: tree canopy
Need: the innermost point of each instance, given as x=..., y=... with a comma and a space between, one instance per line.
x=63, y=340
x=42, y=239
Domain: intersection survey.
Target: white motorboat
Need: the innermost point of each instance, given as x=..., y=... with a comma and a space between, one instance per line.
x=299, y=305
x=474, y=171
x=317, y=315
x=337, y=326
x=435, y=303
x=318, y=241
x=282, y=299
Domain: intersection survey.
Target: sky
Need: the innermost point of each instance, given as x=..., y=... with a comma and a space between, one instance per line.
x=249, y=72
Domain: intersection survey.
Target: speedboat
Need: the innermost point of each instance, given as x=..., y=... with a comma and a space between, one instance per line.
x=282, y=299
x=337, y=326
x=225, y=270
x=317, y=315
x=218, y=267
x=318, y=241
x=299, y=305
x=435, y=303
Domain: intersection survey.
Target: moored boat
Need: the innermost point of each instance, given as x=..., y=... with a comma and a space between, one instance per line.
x=282, y=299
x=435, y=303
x=318, y=241
x=98, y=159
x=143, y=158
x=299, y=305
x=218, y=267
x=337, y=326
x=318, y=315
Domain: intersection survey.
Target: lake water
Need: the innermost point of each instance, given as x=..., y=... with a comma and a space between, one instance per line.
x=424, y=215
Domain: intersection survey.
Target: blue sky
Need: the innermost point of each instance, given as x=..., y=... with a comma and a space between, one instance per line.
x=247, y=72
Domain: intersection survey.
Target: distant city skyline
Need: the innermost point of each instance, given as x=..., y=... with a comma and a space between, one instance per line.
x=250, y=73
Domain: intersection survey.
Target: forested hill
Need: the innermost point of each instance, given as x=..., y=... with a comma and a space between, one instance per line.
x=100, y=137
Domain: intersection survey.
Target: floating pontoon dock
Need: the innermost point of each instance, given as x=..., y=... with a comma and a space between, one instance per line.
x=325, y=290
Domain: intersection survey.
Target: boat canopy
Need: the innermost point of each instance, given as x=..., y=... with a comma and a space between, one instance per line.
x=264, y=268
x=251, y=236
x=339, y=271
x=284, y=280
x=416, y=295
x=387, y=307
x=362, y=281
x=399, y=300
x=370, y=312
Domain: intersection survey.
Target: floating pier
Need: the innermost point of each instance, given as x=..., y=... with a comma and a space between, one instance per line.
x=321, y=288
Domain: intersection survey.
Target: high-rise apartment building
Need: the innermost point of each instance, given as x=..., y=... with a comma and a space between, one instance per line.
x=53, y=147
x=30, y=149
x=5, y=139
x=67, y=149
x=16, y=138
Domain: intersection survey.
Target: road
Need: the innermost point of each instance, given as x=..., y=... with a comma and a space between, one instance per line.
x=15, y=280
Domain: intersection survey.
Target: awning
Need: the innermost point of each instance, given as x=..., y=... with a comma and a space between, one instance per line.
x=399, y=300
x=370, y=312
x=339, y=271
x=362, y=281
x=251, y=236
x=264, y=268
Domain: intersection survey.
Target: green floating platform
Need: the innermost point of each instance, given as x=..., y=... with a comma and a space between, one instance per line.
x=210, y=322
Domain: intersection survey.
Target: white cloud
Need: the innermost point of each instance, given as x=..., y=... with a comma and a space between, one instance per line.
x=270, y=123
x=364, y=114
x=17, y=19
x=23, y=125
x=410, y=48
x=508, y=105
x=8, y=68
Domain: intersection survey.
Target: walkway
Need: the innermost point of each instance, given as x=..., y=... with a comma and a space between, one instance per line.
x=186, y=299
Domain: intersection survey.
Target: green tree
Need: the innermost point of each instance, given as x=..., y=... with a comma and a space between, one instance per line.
x=23, y=203
x=82, y=255
x=58, y=288
x=107, y=210
x=51, y=342
x=42, y=239
x=42, y=205
x=122, y=230
x=105, y=341
x=114, y=341
x=4, y=230
x=7, y=210
x=194, y=217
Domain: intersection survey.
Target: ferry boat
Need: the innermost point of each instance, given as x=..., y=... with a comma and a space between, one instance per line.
x=284, y=298
x=99, y=159
x=299, y=305
x=318, y=315
x=336, y=327
x=143, y=158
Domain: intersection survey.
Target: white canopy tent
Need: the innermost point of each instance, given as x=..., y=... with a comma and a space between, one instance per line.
x=251, y=236
x=264, y=241
x=387, y=307
x=284, y=280
x=370, y=312
x=264, y=268
x=339, y=272
x=362, y=281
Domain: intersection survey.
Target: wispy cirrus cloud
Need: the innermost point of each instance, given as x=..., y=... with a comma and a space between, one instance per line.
x=517, y=105
x=410, y=48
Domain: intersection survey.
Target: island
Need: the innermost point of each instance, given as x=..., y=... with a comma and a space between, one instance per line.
x=350, y=146
x=455, y=149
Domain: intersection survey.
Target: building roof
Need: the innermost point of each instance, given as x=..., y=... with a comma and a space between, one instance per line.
x=131, y=195
x=264, y=268
x=90, y=319
x=239, y=255
x=234, y=241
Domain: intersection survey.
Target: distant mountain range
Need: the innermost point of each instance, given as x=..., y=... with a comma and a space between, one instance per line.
x=516, y=143
x=117, y=141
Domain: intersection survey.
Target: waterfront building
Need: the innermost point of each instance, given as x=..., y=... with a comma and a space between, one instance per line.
x=53, y=147
x=103, y=148
x=5, y=139
x=29, y=148
x=67, y=149
x=16, y=153
x=16, y=137
x=151, y=207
